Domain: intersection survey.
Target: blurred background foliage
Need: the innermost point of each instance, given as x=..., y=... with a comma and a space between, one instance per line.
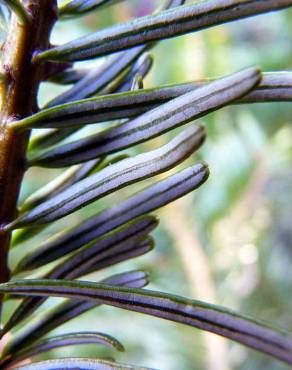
x=229, y=242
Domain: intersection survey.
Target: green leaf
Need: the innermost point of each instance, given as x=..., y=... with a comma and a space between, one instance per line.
x=87, y=259
x=125, y=236
x=73, y=75
x=62, y=340
x=17, y=7
x=141, y=68
x=117, y=255
x=45, y=321
x=121, y=83
x=62, y=182
x=168, y=116
x=276, y=86
x=46, y=139
x=77, y=8
x=68, y=76
x=79, y=363
x=147, y=200
x=91, y=82
x=166, y=24
x=201, y=315
x=65, y=180
x=112, y=179
x=98, y=78
x=22, y=235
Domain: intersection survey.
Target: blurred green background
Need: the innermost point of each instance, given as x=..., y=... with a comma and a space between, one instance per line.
x=229, y=242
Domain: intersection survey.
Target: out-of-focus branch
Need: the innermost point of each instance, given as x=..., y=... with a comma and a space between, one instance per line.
x=196, y=267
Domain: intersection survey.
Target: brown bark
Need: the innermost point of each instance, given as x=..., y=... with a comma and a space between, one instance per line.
x=19, y=90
